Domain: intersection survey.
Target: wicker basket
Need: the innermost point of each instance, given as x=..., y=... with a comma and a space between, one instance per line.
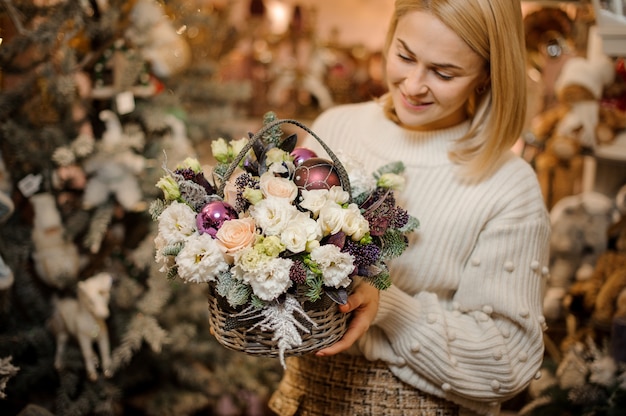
x=235, y=331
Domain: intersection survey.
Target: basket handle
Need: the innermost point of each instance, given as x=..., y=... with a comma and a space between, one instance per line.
x=341, y=171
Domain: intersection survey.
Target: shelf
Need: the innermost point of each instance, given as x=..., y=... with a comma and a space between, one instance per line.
x=611, y=23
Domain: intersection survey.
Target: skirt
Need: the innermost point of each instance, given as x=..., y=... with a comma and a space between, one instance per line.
x=350, y=385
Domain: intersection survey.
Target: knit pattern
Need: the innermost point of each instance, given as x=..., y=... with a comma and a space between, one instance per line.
x=463, y=319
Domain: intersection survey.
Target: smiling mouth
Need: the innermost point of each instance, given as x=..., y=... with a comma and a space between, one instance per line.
x=415, y=103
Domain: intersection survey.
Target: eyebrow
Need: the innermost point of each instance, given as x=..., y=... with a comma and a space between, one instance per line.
x=436, y=65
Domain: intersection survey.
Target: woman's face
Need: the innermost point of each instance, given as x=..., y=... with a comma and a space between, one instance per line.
x=431, y=73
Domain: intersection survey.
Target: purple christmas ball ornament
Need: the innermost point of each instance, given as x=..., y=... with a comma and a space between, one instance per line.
x=316, y=173
x=212, y=216
x=300, y=154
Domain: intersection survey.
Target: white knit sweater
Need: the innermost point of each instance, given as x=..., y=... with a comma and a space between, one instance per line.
x=463, y=318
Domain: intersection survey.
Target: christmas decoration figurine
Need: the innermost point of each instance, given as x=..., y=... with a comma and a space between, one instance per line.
x=85, y=318
x=56, y=259
x=113, y=169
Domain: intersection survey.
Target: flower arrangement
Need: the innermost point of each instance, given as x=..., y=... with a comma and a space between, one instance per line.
x=277, y=227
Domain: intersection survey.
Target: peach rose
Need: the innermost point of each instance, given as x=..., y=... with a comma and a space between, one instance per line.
x=236, y=234
x=278, y=187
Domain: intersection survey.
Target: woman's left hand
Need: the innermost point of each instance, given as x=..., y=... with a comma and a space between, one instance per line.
x=364, y=302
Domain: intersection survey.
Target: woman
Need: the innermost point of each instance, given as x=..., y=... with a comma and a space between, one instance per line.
x=460, y=330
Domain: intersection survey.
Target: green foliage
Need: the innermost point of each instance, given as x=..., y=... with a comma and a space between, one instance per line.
x=382, y=280
x=315, y=286
x=273, y=135
x=393, y=244
x=236, y=292
x=412, y=225
x=173, y=249
x=156, y=208
x=393, y=167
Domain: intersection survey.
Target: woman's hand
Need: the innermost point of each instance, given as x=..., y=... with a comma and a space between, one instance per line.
x=364, y=302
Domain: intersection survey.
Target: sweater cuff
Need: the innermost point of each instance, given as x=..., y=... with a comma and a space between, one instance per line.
x=391, y=300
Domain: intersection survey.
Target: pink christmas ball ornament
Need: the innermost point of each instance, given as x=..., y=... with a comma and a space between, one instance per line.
x=316, y=173
x=300, y=154
x=212, y=216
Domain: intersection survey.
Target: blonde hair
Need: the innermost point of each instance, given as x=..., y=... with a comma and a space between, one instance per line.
x=494, y=30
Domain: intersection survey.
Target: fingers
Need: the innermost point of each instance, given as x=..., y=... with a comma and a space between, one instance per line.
x=358, y=326
x=364, y=303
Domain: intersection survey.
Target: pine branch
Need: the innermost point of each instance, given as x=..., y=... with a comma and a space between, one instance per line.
x=99, y=226
x=158, y=294
x=141, y=328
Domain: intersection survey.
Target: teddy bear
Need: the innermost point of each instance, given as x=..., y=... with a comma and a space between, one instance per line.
x=579, y=225
x=592, y=303
x=575, y=125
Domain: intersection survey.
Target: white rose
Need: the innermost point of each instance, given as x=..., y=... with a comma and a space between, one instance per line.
x=273, y=214
x=331, y=218
x=354, y=224
x=314, y=200
x=300, y=230
x=278, y=187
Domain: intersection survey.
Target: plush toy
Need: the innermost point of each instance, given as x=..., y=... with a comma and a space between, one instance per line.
x=114, y=168
x=575, y=125
x=579, y=226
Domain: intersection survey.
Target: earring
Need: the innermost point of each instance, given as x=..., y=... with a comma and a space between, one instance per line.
x=481, y=89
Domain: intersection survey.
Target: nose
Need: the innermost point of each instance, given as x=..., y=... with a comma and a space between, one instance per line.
x=415, y=81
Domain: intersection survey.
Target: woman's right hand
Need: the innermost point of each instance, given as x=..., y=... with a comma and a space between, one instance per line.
x=364, y=303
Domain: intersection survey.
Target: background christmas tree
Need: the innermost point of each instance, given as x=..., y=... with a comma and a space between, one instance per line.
x=78, y=75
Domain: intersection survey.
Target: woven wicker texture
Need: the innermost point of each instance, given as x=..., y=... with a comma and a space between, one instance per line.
x=234, y=331
x=350, y=385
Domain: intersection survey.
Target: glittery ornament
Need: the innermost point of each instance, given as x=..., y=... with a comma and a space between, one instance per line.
x=316, y=173
x=300, y=154
x=212, y=216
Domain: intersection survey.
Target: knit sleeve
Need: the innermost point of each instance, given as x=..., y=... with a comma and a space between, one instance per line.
x=487, y=344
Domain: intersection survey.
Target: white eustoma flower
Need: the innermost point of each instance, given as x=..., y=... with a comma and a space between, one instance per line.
x=271, y=280
x=176, y=223
x=336, y=266
x=238, y=145
x=219, y=149
x=300, y=230
x=201, y=260
x=273, y=214
x=313, y=200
